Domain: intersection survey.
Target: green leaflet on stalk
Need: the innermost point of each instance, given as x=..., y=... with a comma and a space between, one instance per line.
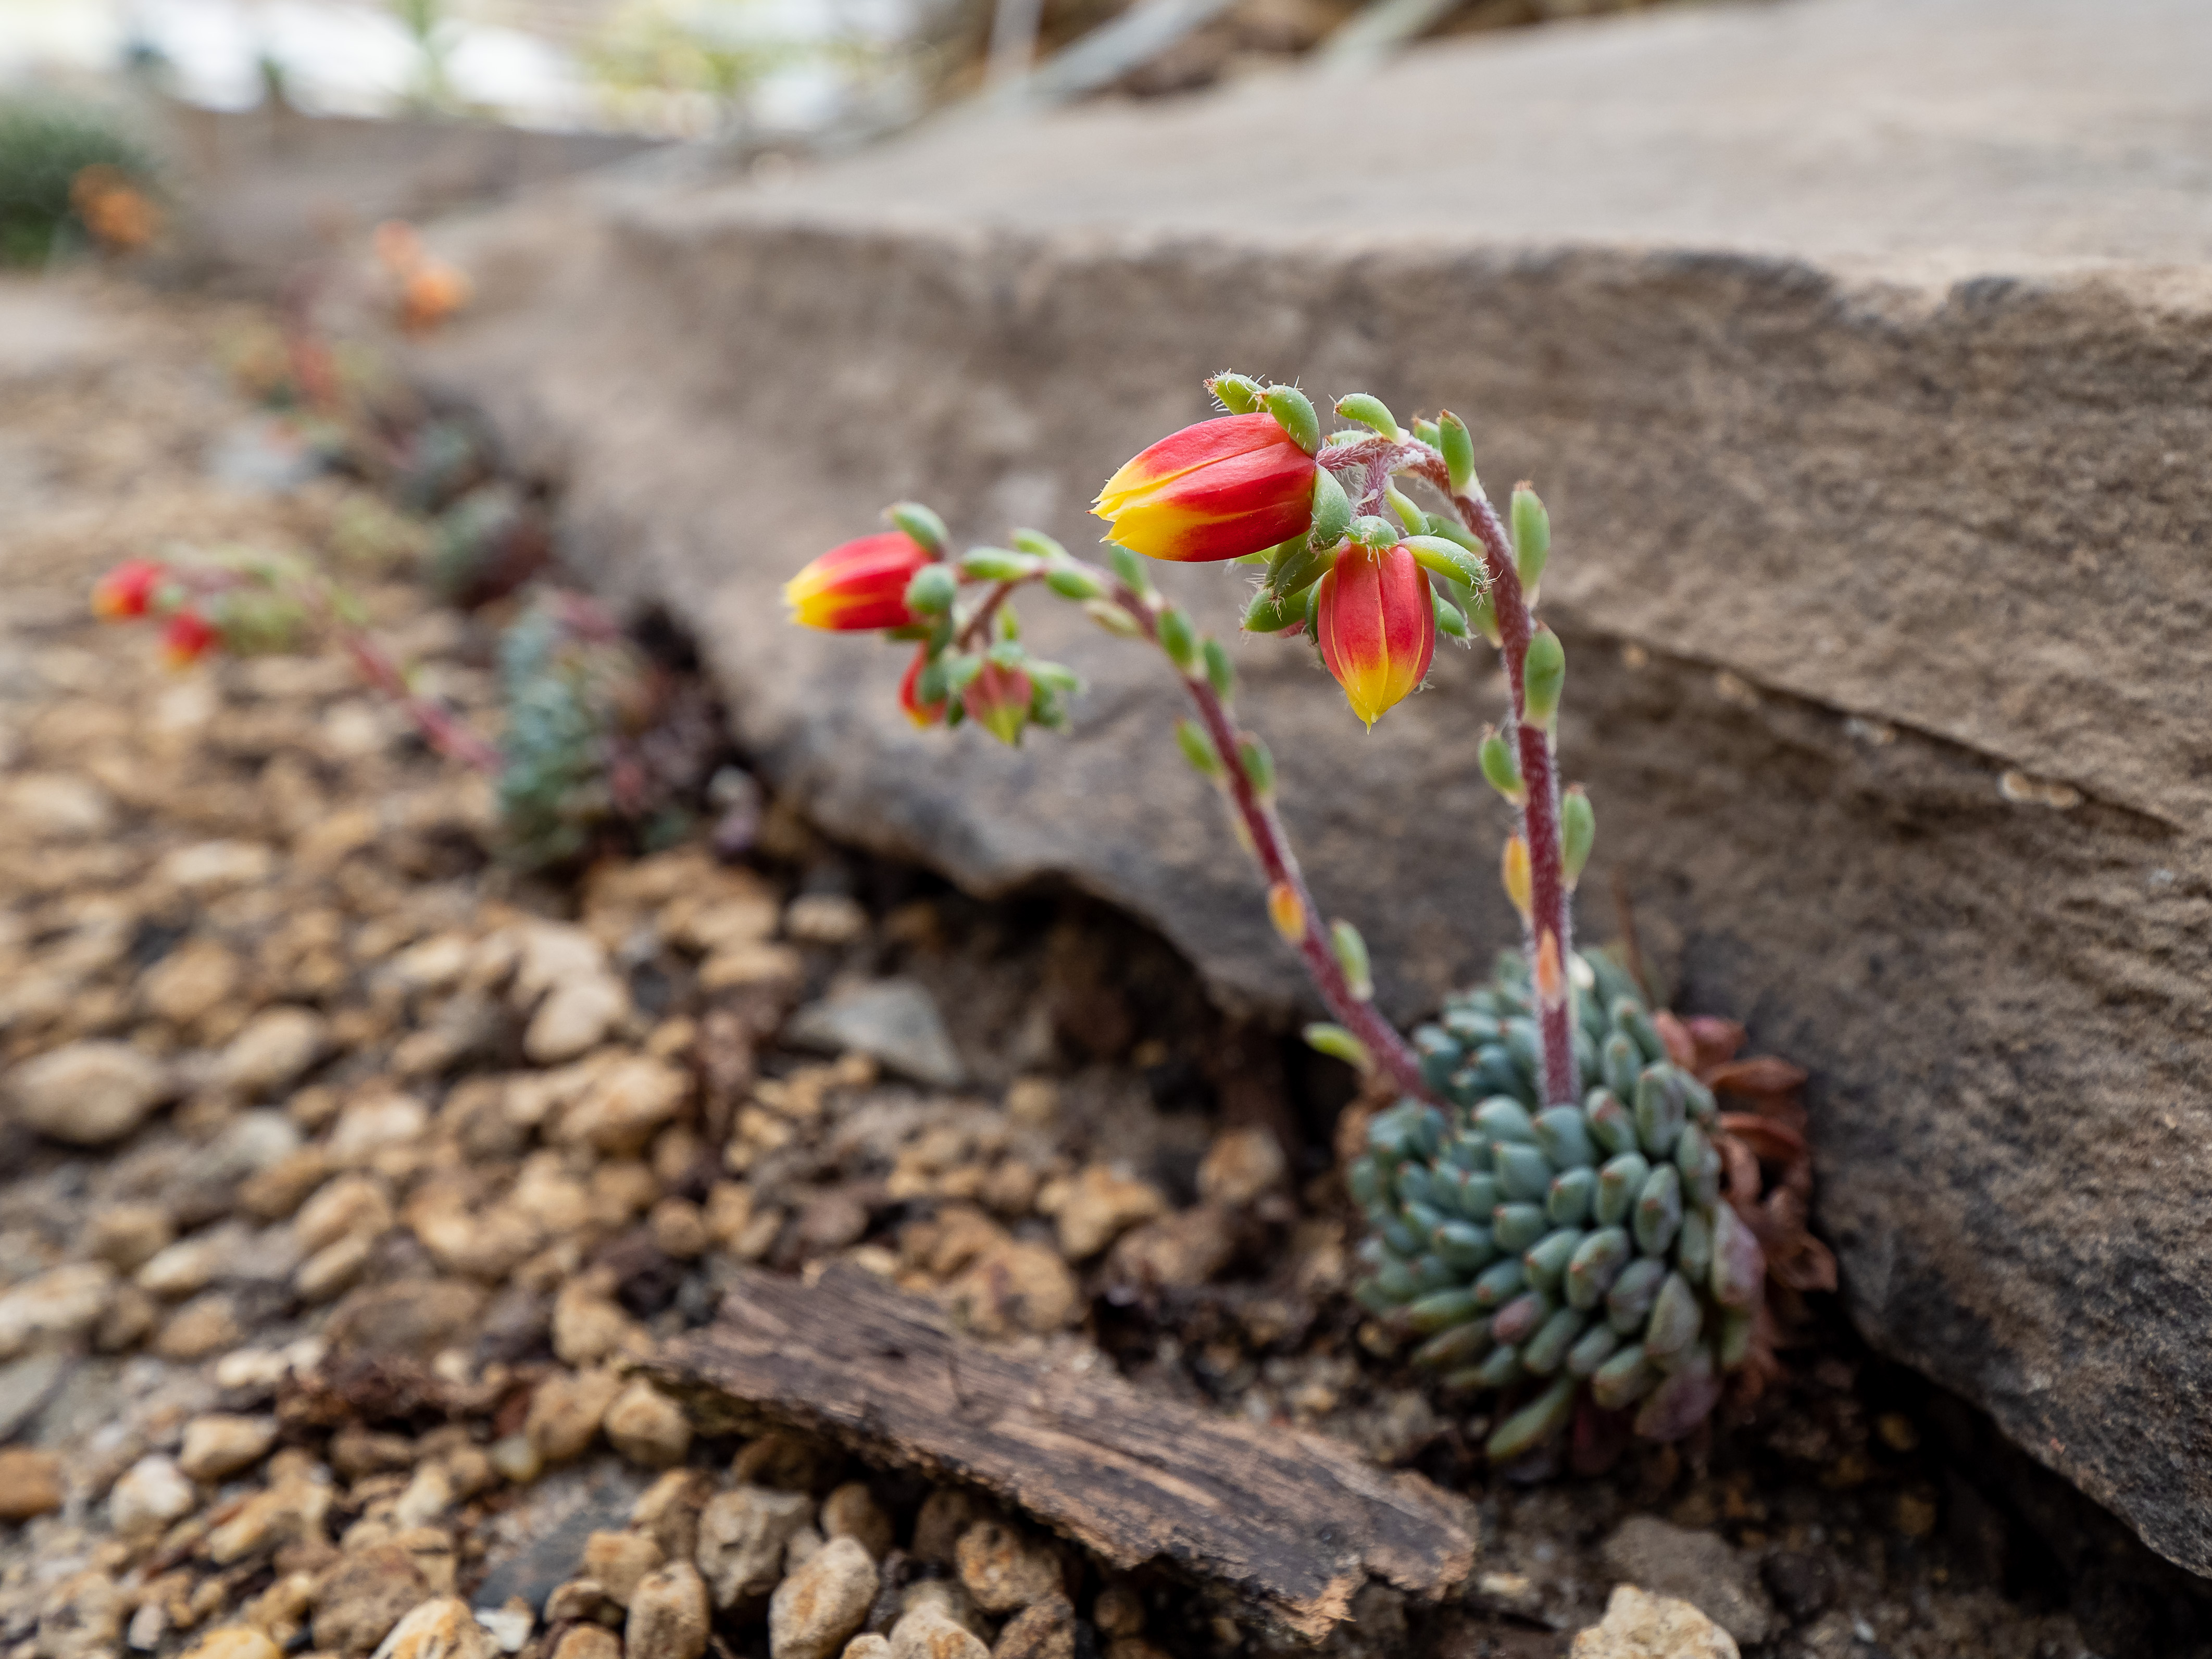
x=1339, y=1044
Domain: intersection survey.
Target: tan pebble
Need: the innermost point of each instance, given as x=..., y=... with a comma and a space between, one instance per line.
x=1100, y=1205
x=443, y=1628
x=1043, y=1630
x=1003, y=1569
x=348, y=1205
x=89, y=1094
x=1241, y=1165
x=668, y=1615
x=589, y=1642
x=648, y=1427
x=333, y=1270
x=363, y=1596
x=742, y=1535
x=127, y=1236
x=30, y=1483
x=823, y=1603
x=580, y=1598
x=1639, y=1625
x=679, y=1230
x=576, y=1017
x=851, y=1511
x=1118, y=1611
x=867, y=1646
x=928, y=1634
x=587, y=1325
x=945, y=1514
x=205, y=1325
x=620, y=1561
x=221, y=1444
x=234, y=1642
x=669, y=1511
x=274, y=1046
x=566, y=1412
x=1015, y=1287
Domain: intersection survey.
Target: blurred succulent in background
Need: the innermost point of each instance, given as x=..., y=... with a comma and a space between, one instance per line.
x=487, y=544
x=601, y=742
x=70, y=171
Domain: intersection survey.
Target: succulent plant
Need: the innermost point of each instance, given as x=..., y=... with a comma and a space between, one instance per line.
x=1573, y=1253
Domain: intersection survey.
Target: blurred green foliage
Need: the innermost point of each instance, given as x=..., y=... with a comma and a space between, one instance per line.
x=46, y=143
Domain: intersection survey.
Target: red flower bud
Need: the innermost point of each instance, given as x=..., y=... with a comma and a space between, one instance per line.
x=127, y=590
x=998, y=699
x=857, y=587
x=1217, y=490
x=1376, y=626
x=921, y=713
x=188, y=637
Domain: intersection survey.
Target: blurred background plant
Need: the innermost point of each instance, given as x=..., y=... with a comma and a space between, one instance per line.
x=72, y=174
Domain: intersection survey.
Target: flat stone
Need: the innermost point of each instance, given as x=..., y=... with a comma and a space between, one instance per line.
x=537, y=1543
x=26, y=1385
x=1871, y=454
x=892, y=1020
x=1639, y=1625
x=30, y=1483
x=87, y=1094
x=1701, y=1568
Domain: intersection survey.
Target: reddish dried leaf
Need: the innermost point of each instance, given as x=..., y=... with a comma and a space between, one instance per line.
x=1771, y=1140
x=1679, y=1405
x=1681, y=1046
x=1761, y=1074
x=1742, y=1165
x=1812, y=1266
x=1717, y=1040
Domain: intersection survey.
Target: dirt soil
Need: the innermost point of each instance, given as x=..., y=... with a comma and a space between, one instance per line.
x=362, y=1167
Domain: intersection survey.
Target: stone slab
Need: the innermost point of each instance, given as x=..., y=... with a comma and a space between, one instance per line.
x=1862, y=350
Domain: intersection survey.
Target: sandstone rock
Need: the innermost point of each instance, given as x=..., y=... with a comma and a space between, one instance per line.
x=1044, y=1630
x=1639, y=1625
x=1099, y=1206
x=945, y=1514
x=892, y=1020
x=619, y=1561
x=126, y=1235
x=277, y=1046
x=26, y=1385
x=1700, y=1568
x=59, y=806
x=206, y=1325
x=62, y=1302
x=648, y=1427
x=1118, y=1611
x=668, y=1616
x=742, y=1535
x=824, y=919
x=89, y=1094
x=851, y=1511
x=587, y=1325
x=1004, y=1569
x=1176, y=1251
x=668, y=1511
x=868, y=1645
x=333, y=1270
x=290, y=1510
x=30, y=1483
x=1857, y=740
x=190, y=1264
x=149, y=1495
x=443, y=1628
x=1242, y=1166
x=823, y=1604
x=566, y=1412
x=362, y=1598
x=221, y=1444
x=368, y=1126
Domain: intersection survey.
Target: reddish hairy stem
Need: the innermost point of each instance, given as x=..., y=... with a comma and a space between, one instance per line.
x=1271, y=849
x=445, y=732
x=1548, y=910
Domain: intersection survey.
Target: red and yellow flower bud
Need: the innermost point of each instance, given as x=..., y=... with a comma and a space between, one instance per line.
x=921, y=713
x=188, y=637
x=858, y=586
x=1376, y=626
x=128, y=590
x=1285, y=910
x=998, y=699
x=1218, y=490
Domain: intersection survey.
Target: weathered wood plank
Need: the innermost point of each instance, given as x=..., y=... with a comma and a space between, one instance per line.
x=1295, y=1524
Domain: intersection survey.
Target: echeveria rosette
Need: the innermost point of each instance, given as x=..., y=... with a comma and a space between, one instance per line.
x=859, y=585
x=1224, y=489
x=1579, y=1258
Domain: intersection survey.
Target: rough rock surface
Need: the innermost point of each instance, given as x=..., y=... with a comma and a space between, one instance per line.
x=1867, y=412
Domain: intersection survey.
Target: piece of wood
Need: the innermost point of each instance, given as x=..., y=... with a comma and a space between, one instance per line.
x=1295, y=1524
